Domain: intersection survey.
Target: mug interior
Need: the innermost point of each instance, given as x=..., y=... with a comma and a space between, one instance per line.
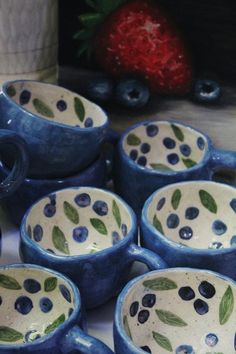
x=56, y=104
x=33, y=303
x=197, y=214
x=181, y=311
x=165, y=146
x=78, y=221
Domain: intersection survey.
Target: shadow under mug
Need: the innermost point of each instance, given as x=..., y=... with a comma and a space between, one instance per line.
x=154, y=154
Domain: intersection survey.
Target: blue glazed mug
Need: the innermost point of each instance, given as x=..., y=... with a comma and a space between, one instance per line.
x=153, y=154
x=192, y=224
x=88, y=234
x=41, y=312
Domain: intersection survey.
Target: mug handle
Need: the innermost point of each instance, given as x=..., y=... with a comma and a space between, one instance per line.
x=21, y=164
x=223, y=159
x=78, y=340
x=151, y=259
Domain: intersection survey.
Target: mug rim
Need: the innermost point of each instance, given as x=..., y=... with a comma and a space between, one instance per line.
x=51, y=122
x=65, y=326
x=167, y=241
x=118, y=323
x=124, y=242
x=152, y=171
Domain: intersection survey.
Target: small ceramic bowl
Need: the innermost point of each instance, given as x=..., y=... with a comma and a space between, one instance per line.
x=193, y=224
x=41, y=313
x=64, y=130
x=89, y=234
x=31, y=189
x=181, y=311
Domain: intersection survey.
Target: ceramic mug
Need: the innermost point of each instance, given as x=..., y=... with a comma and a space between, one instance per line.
x=41, y=312
x=153, y=154
x=64, y=130
x=192, y=224
x=90, y=235
x=179, y=310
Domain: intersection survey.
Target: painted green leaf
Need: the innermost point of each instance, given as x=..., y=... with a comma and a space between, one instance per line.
x=226, y=306
x=133, y=140
x=157, y=224
x=99, y=226
x=116, y=213
x=170, y=318
x=175, y=200
x=59, y=240
x=9, y=282
x=178, y=132
x=55, y=324
x=50, y=284
x=160, y=166
x=79, y=108
x=126, y=326
x=189, y=163
x=8, y=334
x=160, y=284
x=162, y=341
x=71, y=212
x=42, y=108
x=208, y=201
x=11, y=91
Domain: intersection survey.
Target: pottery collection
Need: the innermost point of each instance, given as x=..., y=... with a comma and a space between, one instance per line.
x=79, y=240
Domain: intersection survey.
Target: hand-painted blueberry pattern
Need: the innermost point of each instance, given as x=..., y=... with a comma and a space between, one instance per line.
x=124, y=229
x=206, y=289
x=211, y=339
x=32, y=286
x=145, y=148
x=23, y=305
x=201, y=143
x=31, y=336
x=100, y=207
x=185, y=349
x=38, y=233
x=88, y=122
x=49, y=210
x=185, y=150
x=133, y=154
x=169, y=143
x=45, y=304
x=172, y=221
x=173, y=159
x=149, y=300
x=142, y=161
x=186, y=233
x=201, y=307
x=65, y=292
x=25, y=97
x=186, y=293
x=143, y=316
x=80, y=234
x=61, y=105
x=134, y=309
x=146, y=349
x=191, y=213
x=83, y=200
x=161, y=203
x=219, y=227
x=115, y=237
x=152, y=130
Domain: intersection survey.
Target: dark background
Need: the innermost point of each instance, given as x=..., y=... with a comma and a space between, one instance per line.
x=208, y=25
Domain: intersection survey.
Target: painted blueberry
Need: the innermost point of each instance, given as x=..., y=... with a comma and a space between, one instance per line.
x=233, y=241
x=61, y=105
x=206, y=91
x=211, y=340
x=152, y=130
x=172, y=221
x=145, y=148
x=83, y=200
x=70, y=312
x=149, y=300
x=45, y=304
x=115, y=237
x=25, y=97
x=173, y=159
x=134, y=308
x=216, y=245
x=191, y=213
x=146, y=349
x=218, y=227
x=133, y=154
x=200, y=143
x=32, y=286
x=88, y=122
x=185, y=149
x=142, y=161
x=65, y=292
x=186, y=233
x=52, y=198
x=169, y=143
x=29, y=231
x=38, y=233
x=186, y=293
x=31, y=336
x=23, y=305
x=99, y=89
x=100, y=207
x=143, y=316
x=201, y=307
x=124, y=229
x=49, y=210
x=161, y=203
x=206, y=289
x=185, y=349
x=132, y=93
x=233, y=204
x=80, y=234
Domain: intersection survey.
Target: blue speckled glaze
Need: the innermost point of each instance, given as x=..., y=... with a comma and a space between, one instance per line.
x=68, y=337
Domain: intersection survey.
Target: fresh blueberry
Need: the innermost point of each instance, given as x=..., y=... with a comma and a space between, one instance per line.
x=233, y=241
x=152, y=130
x=29, y=231
x=186, y=293
x=172, y=221
x=25, y=97
x=38, y=233
x=115, y=237
x=218, y=227
x=233, y=204
x=149, y=300
x=169, y=143
x=206, y=289
x=132, y=93
x=52, y=198
x=61, y=105
x=99, y=89
x=88, y=123
x=65, y=292
x=184, y=349
x=143, y=316
x=70, y=312
x=186, y=233
x=133, y=154
x=0, y=300
x=80, y=234
x=124, y=229
x=216, y=245
x=49, y=210
x=185, y=149
x=146, y=349
x=134, y=308
x=161, y=203
x=201, y=307
x=23, y=305
x=142, y=161
x=31, y=336
x=191, y=213
x=145, y=148
x=200, y=143
x=211, y=340
x=83, y=200
x=45, y=304
x=100, y=207
x=173, y=159
x=32, y=286
x=206, y=91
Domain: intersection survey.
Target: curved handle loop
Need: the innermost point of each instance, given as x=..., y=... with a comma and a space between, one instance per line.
x=223, y=159
x=151, y=259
